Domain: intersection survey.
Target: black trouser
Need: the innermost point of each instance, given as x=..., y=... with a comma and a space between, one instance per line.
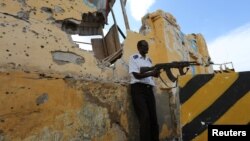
x=144, y=105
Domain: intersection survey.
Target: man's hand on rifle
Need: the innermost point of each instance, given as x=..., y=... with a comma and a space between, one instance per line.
x=150, y=71
x=156, y=73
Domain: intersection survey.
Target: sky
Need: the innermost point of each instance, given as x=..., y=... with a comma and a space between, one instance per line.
x=225, y=24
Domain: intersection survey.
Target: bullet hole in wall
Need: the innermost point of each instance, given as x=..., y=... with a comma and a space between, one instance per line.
x=47, y=10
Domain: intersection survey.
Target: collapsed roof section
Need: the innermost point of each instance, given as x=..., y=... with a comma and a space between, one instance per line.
x=106, y=49
x=102, y=6
x=91, y=23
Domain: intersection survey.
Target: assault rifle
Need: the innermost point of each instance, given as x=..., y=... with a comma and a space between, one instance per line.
x=168, y=66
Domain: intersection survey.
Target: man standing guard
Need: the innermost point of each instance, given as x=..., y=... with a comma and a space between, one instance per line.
x=143, y=98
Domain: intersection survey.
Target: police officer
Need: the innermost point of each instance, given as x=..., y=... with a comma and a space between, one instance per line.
x=143, y=98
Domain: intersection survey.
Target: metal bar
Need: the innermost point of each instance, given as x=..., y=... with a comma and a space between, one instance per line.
x=113, y=15
x=83, y=42
x=124, y=37
x=125, y=2
x=125, y=15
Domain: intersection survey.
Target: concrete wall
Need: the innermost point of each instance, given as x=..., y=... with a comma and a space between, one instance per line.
x=52, y=90
x=37, y=107
x=34, y=42
x=169, y=44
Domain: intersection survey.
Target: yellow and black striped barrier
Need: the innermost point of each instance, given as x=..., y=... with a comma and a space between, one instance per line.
x=217, y=99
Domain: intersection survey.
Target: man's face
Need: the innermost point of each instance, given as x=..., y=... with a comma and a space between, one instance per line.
x=143, y=49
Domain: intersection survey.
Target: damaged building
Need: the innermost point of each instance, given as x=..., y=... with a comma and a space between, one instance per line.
x=52, y=90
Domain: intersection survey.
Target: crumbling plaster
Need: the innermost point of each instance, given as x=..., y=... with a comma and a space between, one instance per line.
x=29, y=40
x=33, y=41
x=36, y=107
x=29, y=44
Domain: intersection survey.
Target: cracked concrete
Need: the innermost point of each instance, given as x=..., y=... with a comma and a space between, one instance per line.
x=39, y=58
x=61, y=105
